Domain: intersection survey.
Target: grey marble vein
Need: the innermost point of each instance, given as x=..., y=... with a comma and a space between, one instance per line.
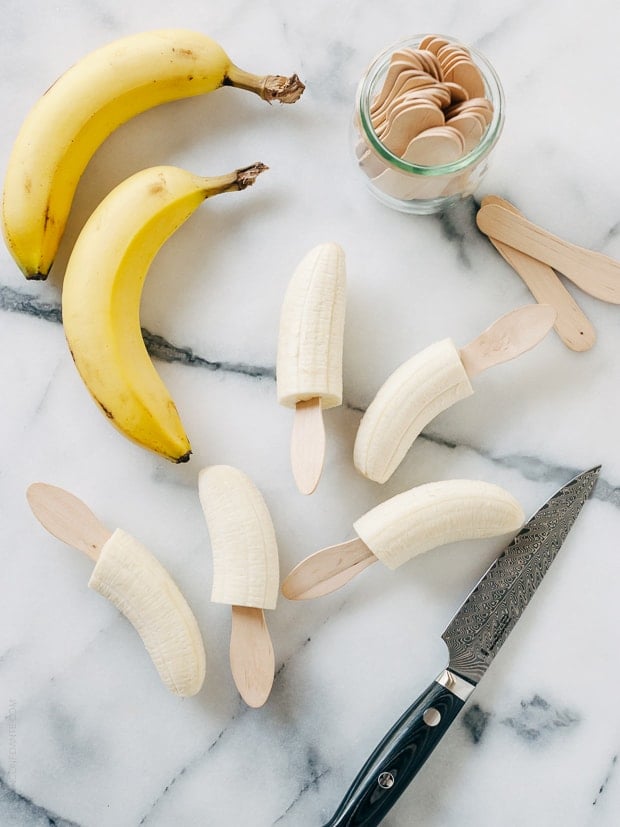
x=537, y=720
x=458, y=227
x=475, y=721
x=315, y=773
x=18, y=810
x=14, y=301
x=532, y=468
x=604, y=785
x=161, y=348
x=195, y=761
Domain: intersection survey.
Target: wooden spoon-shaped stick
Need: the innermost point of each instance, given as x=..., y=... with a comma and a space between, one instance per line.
x=308, y=444
x=327, y=570
x=67, y=518
x=252, y=659
x=572, y=325
x=593, y=272
x=508, y=337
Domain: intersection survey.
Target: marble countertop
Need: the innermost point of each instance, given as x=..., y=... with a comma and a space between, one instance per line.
x=88, y=735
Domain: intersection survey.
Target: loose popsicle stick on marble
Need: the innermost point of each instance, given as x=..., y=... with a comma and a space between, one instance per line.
x=595, y=273
x=327, y=570
x=252, y=659
x=508, y=337
x=67, y=518
x=308, y=444
x=572, y=325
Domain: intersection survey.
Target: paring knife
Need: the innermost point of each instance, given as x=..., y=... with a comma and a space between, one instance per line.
x=474, y=636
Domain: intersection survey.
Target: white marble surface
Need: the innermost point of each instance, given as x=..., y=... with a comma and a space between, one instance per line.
x=88, y=735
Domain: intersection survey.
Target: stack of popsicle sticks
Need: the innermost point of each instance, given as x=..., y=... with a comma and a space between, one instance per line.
x=431, y=109
x=538, y=256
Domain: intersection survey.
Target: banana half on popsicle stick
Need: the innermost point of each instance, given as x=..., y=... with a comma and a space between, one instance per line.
x=432, y=381
x=134, y=581
x=309, y=361
x=245, y=573
x=404, y=526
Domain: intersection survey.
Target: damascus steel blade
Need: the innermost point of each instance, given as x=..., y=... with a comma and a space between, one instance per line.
x=484, y=621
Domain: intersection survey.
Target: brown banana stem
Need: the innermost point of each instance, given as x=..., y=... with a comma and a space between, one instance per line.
x=240, y=179
x=269, y=87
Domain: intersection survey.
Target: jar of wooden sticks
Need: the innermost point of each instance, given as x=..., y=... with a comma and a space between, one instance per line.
x=428, y=112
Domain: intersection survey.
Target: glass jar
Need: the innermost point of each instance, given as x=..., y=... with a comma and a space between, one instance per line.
x=407, y=186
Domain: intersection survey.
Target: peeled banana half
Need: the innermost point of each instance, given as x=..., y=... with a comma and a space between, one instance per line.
x=310, y=341
x=87, y=103
x=415, y=393
x=435, y=514
x=131, y=578
x=243, y=540
x=101, y=298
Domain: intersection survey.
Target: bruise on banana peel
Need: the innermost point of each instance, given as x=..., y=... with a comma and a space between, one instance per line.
x=85, y=105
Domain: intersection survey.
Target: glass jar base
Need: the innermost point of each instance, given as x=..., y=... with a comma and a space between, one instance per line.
x=422, y=206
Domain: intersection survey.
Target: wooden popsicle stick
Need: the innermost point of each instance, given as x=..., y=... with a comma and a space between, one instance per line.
x=327, y=570
x=437, y=146
x=572, y=325
x=396, y=67
x=410, y=122
x=308, y=444
x=510, y=336
x=593, y=272
x=252, y=660
x=67, y=518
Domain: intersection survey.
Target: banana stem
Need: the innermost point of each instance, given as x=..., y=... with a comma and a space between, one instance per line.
x=268, y=87
x=240, y=179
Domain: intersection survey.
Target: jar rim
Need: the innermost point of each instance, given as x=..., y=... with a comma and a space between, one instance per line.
x=494, y=89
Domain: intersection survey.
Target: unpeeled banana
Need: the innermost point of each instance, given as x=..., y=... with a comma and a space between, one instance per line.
x=310, y=342
x=417, y=391
x=243, y=541
x=131, y=578
x=435, y=514
x=101, y=298
x=87, y=103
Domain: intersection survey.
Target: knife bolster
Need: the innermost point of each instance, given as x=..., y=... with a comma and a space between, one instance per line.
x=455, y=684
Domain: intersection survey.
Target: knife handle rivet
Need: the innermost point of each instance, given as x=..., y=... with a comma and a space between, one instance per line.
x=386, y=780
x=431, y=716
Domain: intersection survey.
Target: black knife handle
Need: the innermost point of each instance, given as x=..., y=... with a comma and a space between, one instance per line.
x=399, y=756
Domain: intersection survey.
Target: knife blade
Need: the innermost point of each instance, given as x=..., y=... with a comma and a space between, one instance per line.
x=473, y=637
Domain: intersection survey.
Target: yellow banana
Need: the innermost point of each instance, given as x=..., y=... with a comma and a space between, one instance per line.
x=101, y=298
x=86, y=104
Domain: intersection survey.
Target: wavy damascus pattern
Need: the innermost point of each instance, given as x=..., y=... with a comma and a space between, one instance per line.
x=484, y=621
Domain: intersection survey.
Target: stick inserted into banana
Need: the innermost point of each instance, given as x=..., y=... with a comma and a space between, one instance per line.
x=309, y=361
x=85, y=105
x=134, y=581
x=433, y=380
x=404, y=526
x=245, y=573
x=101, y=298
